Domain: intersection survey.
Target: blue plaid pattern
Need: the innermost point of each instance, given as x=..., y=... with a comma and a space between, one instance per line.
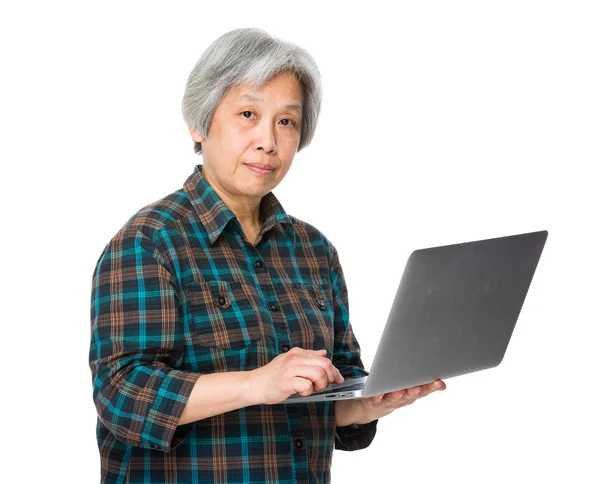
x=179, y=292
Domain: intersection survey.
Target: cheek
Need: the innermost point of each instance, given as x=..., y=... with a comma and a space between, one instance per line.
x=282, y=172
x=232, y=143
x=239, y=139
x=288, y=140
x=292, y=142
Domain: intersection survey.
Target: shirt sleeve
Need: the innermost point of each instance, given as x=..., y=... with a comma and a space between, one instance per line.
x=346, y=358
x=136, y=345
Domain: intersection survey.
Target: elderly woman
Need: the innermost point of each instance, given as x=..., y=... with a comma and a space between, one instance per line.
x=213, y=305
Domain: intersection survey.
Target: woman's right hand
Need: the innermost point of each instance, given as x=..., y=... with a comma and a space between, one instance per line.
x=297, y=371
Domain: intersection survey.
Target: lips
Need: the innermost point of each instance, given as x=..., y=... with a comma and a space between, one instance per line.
x=260, y=168
x=260, y=165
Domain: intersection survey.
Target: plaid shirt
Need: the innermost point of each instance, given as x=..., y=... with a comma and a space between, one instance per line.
x=178, y=292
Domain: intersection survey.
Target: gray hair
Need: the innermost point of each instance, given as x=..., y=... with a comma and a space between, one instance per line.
x=249, y=56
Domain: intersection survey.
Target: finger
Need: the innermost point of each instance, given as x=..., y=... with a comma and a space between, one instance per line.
x=425, y=391
x=303, y=386
x=307, y=357
x=408, y=396
x=394, y=397
x=312, y=357
x=330, y=370
x=322, y=382
x=314, y=373
x=432, y=387
x=439, y=385
x=296, y=350
x=320, y=352
x=413, y=392
x=327, y=365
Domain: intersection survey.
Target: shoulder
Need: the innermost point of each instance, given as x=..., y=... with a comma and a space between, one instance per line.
x=151, y=219
x=144, y=233
x=308, y=234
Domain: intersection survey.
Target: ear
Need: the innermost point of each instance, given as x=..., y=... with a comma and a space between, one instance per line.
x=196, y=135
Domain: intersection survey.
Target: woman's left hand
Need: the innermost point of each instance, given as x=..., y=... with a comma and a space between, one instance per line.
x=381, y=405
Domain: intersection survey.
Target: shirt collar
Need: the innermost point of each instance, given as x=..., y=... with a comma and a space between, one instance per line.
x=215, y=215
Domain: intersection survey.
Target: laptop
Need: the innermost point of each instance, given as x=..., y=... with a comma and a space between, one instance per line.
x=454, y=313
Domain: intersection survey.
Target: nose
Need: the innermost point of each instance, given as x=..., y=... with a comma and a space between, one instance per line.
x=265, y=138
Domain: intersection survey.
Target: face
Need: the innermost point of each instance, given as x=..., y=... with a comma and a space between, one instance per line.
x=248, y=127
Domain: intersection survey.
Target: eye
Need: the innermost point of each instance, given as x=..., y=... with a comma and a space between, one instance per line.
x=288, y=123
x=247, y=112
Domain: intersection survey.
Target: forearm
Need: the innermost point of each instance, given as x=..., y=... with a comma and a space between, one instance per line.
x=350, y=412
x=217, y=393
x=354, y=429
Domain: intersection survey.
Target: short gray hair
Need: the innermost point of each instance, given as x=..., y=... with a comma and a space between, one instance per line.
x=249, y=56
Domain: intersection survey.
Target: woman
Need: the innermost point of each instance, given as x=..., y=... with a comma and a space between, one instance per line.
x=212, y=305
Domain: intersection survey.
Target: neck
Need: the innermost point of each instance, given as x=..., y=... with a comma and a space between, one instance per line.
x=246, y=212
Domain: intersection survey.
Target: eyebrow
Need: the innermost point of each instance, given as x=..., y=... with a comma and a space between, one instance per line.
x=251, y=97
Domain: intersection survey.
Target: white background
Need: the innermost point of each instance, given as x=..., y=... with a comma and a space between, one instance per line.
x=442, y=122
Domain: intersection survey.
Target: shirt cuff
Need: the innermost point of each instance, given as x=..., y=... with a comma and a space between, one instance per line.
x=161, y=431
x=355, y=436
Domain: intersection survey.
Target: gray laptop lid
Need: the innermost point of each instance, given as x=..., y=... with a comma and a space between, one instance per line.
x=454, y=311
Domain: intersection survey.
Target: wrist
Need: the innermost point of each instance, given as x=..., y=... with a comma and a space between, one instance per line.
x=252, y=390
x=349, y=412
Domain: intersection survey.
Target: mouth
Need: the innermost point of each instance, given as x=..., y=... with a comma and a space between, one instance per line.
x=260, y=168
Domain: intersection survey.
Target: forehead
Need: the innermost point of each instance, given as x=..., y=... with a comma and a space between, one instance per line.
x=285, y=90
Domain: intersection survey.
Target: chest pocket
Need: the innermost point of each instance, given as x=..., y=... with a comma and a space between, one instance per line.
x=223, y=315
x=318, y=316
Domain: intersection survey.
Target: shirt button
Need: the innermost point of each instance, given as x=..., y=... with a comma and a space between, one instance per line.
x=273, y=307
x=321, y=304
x=221, y=300
x=285, y=348
x=299, y=444
x=258, y=264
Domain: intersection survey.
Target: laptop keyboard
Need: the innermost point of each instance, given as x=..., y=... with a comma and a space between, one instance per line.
x=344, y=388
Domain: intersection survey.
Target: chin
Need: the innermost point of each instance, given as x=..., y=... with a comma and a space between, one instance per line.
x=255, y=190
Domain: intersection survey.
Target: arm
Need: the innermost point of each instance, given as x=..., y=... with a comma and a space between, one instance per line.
x=356, y=419
x=297, y=371
x=347, y=413
x=217, y=393
x=353, y=431
x=136, y=346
